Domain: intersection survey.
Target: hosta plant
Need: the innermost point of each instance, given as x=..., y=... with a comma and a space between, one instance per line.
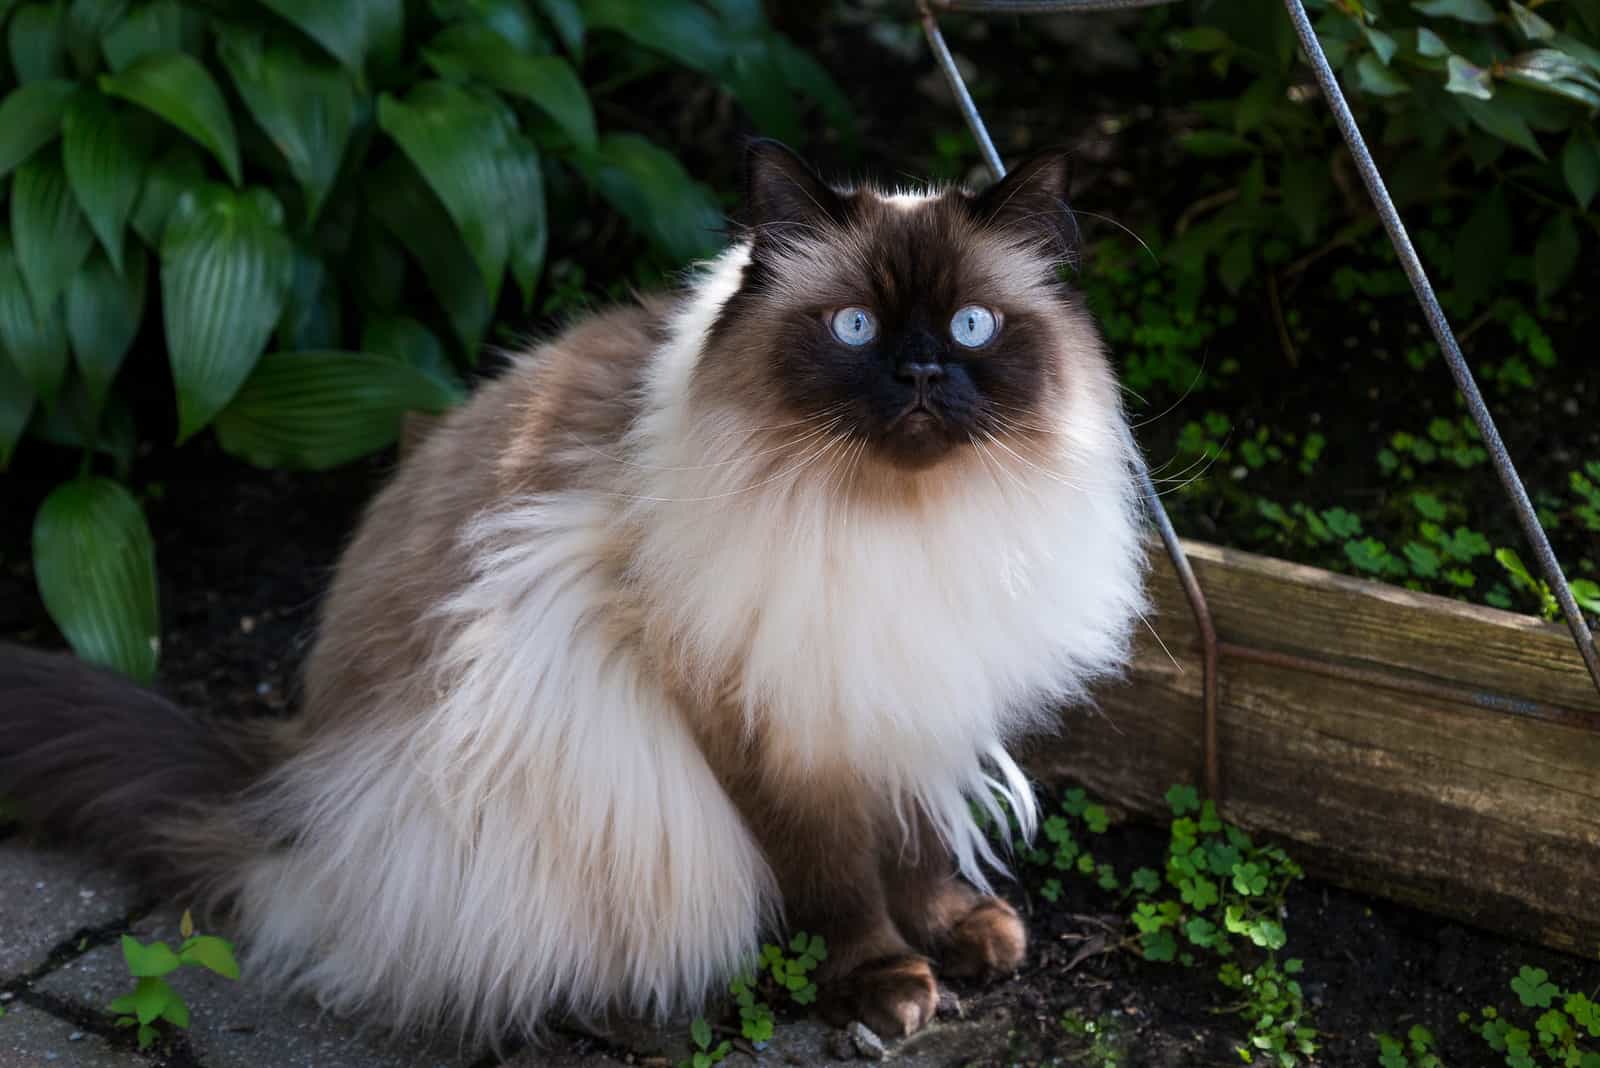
x=314, y=209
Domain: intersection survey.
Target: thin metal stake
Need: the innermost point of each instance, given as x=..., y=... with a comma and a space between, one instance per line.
x=1446, y=338
x=1169, y=536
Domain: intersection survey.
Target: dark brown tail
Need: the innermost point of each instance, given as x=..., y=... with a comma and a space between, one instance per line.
x=90, y=755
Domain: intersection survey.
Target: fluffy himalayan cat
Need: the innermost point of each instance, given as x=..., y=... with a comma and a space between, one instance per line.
x=710, y=615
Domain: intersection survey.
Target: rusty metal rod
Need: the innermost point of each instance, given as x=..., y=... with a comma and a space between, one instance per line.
x=1169, y=537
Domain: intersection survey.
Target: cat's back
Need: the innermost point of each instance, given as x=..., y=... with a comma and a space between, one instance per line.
x=552, y=421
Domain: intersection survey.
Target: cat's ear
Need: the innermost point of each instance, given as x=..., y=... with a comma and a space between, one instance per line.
x=781, y=191
x=1031, y=201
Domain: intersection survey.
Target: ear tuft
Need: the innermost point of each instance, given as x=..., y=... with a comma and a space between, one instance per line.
x=782, y=191
x=1031, y=201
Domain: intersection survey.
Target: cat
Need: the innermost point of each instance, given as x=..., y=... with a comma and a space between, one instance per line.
x=713, y=614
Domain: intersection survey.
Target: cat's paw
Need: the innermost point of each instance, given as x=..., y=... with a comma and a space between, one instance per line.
x=895, y=996
x=989, y=940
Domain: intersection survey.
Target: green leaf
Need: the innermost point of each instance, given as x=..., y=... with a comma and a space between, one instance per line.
x=510, y=19
x=686, y=33
x=1383, y=46
x=16, y=405
x=87, y=21
x=1556, y=254
x=104, y=310
x=650, y=187
x=1580, y=166
x=1477, y=12
x=405, y=339
x=700, y=1032
x=1552, y=71
x=72, y=425
x=1499, y=118
x=37, y=38
x=52, y=236
x=1467, y=79
x=175, y=1011
x=29, y=118
x=226, y=268
x=306, y=108
x=401, y=200
x=311, y=312
x=1533, y=27
x=148, y=1000
x=37, y=344
x=351, y=31
x=315, y=410
x=1431, y=44
x=176, y=88
x=94, y=561
x=150, y=28
x=567, y=18
x=104, y=167
x=1183, y=798
x=178, y=171
x=1482, y=247
x=1377, y=79
x=1532, y=988
x=212, y=953
x=454, y=139
x=470, y=51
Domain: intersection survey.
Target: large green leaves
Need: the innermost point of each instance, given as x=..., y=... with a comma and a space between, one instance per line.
x=483, y=171
x=349, y=30
x=52, y=237
x=318, y=409
x=686, y=32
x=177, y=88
x=649, y=186
x=95, y=564
x=16, y=405
x=29, y=117
x=306, y=108
x=87, y=21
x=180, y=169
x=402, y=338
x=37, y=41
x=402, y=202
x=104, y=309
x=477, y=52
x=104, y=167
x=35, y=340
x=226, y=268
x=1580, y=166
x=151, y=27
x=567, y=18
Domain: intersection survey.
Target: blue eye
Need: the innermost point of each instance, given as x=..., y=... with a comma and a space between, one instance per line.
x=854, y=326
x=973, y=326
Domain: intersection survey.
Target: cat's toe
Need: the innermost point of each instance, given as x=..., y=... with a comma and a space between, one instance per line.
x=989, y=940
x=895, y=997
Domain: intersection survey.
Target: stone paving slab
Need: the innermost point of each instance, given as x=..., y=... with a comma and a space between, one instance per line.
x=31, y=1038
x=46, y=895
x=233, y=1025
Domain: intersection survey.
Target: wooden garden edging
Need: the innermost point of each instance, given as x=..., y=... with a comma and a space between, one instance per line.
x=1430, y=751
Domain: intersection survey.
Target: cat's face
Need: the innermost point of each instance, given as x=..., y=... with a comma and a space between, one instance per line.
x=917, y=326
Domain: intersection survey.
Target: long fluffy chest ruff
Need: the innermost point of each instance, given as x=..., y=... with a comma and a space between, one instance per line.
x=519, y=808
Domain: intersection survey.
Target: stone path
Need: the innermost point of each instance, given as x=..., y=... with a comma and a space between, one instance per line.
x=61, y=918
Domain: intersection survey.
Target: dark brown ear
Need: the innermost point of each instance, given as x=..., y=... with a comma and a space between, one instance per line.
x=781, y=191
x=1031, y=201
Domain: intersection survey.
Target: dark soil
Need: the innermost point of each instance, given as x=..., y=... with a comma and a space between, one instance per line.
x=244, y=555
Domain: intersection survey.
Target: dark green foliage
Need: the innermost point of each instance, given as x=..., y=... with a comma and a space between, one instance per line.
x=346, y=184
x=1448, y=92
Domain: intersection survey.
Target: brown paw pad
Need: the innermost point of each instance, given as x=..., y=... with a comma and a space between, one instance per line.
x=894, y=997
x=990, y=940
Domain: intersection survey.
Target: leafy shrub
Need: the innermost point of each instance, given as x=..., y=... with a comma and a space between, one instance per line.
x=346, y=183
x=1504, y=89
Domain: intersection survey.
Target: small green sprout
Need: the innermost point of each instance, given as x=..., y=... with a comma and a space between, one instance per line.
x=152, y=999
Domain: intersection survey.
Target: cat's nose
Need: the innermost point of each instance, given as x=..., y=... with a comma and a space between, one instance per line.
x=922, y=374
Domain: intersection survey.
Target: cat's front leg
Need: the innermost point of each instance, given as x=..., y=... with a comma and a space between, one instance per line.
x=823, y=848
x=971, y=934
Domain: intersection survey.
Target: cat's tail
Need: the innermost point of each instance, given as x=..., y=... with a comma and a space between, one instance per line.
x=94, y=757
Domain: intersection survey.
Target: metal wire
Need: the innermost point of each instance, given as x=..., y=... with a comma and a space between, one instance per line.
x=1169, y=536
x=1476, y=407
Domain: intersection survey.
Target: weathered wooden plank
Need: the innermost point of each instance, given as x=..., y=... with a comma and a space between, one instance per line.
x=1487, y=815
